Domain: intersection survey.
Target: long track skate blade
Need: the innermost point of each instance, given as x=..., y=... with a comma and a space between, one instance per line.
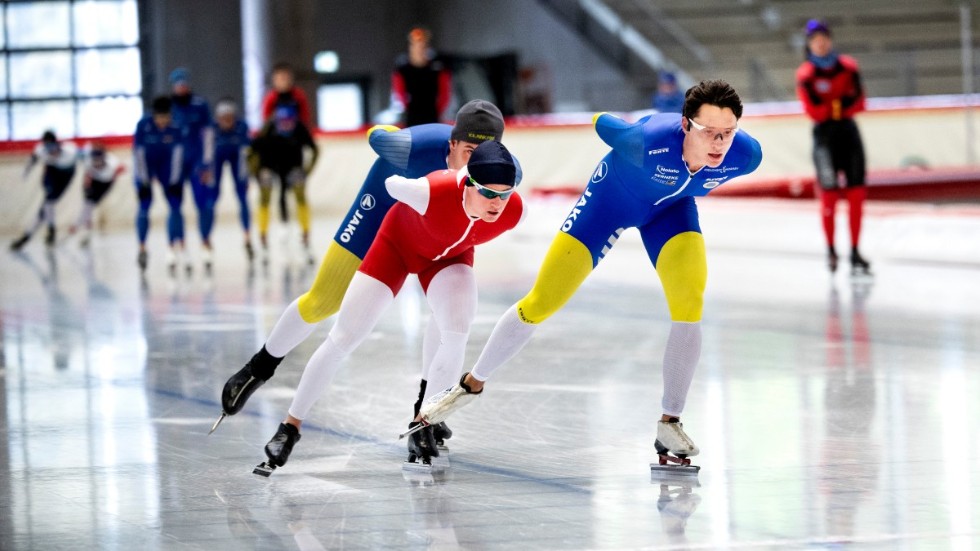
x=666, y=471
x=424, y=468
x=264, y=469
x=218, y=422
x=413, y=430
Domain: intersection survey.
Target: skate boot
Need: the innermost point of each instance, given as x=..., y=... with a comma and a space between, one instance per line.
x=859, y=266
x=308, y=252
x=440, y=406
x=278, y=449
x=172, y=262
x=674, y=446
x=441, y=432
x=51, y=237
x=264, y=249
x=832, y=260
x=422, y=450
x=246, y=381
x=249, y=252
x=188, y=263
x=207, y=259
x=19, y=243
x=141, y=260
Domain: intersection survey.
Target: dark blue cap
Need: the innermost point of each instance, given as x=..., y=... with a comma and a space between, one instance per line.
x=492, y=163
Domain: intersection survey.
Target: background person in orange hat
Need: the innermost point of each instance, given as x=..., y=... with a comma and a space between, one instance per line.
x=421, y=84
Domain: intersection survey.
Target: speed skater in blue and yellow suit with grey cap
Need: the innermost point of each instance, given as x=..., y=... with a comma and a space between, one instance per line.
x=411, y=152
x=648, y=181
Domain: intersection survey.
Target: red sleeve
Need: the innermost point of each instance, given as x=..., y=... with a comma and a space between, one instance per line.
x=398, y=87
x=445, y=93
x=858, y=103
x=303, y=104
x=268, y=104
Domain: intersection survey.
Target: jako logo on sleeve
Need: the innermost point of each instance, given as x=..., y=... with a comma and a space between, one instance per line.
x=355, y=220
x=367, y=201
x=573, y=216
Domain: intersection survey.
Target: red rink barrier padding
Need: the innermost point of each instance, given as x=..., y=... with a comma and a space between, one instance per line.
x=952, y=184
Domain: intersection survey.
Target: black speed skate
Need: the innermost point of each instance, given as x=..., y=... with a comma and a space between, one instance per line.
x=422, y=449
x=441, y=432
x=19, y=243
x=278, y=449
x=245, y=382
x=832, y=260
x=860, y=267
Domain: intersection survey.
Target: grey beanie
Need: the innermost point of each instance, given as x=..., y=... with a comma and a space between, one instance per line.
x=492, y=163
x=478, y=121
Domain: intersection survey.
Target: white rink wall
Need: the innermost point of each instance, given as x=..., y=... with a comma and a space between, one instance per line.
x=552, y=156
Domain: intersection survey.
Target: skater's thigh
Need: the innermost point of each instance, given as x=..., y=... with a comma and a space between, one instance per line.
x=683, y=270
x=362, y=307
x=565, y=266
x=331, y=282
x=452, y=295
x=674, y=243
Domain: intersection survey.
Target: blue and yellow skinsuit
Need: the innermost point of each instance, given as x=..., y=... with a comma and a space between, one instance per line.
x=642, y=183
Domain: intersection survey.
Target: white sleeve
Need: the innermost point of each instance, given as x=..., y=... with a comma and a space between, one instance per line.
x=412, y=192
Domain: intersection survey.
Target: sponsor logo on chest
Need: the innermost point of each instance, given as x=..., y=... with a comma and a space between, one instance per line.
x=666, y=175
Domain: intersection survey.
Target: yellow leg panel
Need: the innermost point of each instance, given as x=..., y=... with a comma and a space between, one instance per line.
x=332, y=279
x=683, y=270
x=565, y=267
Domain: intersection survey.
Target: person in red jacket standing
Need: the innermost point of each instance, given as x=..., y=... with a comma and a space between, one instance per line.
x=421, y=84
x=284, y=92
x=829, y=86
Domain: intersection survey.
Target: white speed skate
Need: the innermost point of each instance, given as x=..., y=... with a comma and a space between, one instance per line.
x=674, y=448
x=437, y=408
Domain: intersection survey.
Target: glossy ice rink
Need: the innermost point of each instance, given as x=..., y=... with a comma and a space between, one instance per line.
x=829, y=413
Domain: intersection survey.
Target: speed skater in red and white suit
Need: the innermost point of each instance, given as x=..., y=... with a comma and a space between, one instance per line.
x=431, y=231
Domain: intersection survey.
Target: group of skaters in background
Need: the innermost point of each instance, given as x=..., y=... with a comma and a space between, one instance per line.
x=180, y=143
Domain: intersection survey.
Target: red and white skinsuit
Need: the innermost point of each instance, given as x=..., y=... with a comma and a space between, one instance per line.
x=428, y=233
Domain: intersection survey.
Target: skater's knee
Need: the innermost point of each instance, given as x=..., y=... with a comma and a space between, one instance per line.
x=534, y=309
x=299, y=191
x=314, y=308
